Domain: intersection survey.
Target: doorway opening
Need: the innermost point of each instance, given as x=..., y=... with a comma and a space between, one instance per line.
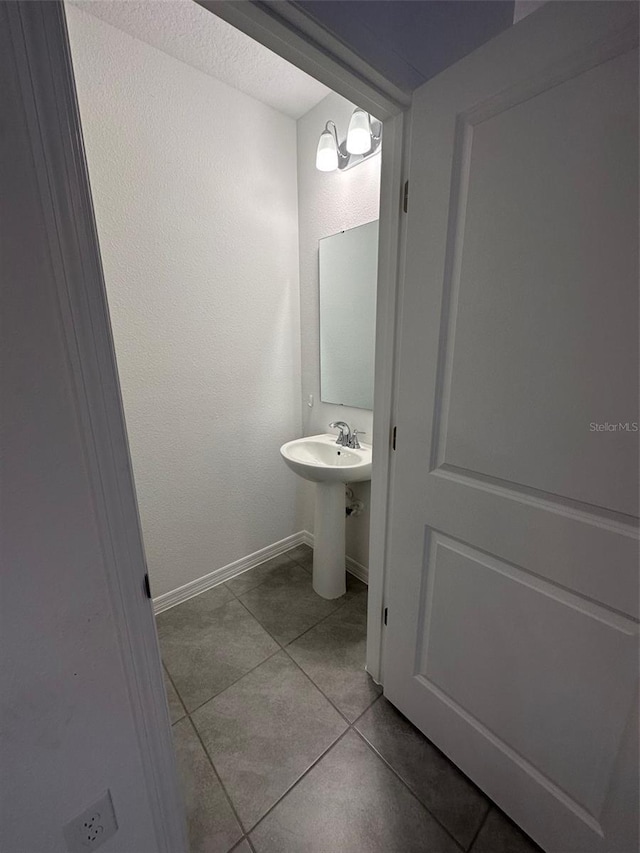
x=210, y=211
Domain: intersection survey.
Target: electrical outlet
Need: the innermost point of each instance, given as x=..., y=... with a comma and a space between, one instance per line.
x=93, y=827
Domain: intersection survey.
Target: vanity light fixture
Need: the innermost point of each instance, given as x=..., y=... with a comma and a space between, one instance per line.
x=359, y=134
x=364, y=138
x=328, y=153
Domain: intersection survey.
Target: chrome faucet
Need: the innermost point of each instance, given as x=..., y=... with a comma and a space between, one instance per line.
x=344, y=439
x=347, y=437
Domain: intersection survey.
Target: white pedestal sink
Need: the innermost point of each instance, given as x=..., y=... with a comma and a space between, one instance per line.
x=330, y=466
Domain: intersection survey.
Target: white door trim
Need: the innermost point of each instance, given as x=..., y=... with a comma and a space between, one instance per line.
x=290, y=33
x=391, y=231
x=39, y=39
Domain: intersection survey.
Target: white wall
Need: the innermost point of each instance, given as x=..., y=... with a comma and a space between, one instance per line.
x=67, y=730
x=194, y=186
x=329, y=202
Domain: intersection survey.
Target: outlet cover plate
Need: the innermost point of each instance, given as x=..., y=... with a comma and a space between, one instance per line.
x=93, y=827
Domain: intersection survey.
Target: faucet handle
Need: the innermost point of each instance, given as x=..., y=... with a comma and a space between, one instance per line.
x=355, y=444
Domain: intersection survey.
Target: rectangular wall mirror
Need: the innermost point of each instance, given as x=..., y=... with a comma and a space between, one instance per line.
x=348, y=277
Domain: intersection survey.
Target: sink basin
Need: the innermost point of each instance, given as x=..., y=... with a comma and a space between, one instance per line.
x=318, y=458
x=330, y=466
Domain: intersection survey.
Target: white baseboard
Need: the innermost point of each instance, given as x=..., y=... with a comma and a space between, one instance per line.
x=353, y=566
x=232, y=570
x=358, y=570
x=307, y=538
x=225, y=573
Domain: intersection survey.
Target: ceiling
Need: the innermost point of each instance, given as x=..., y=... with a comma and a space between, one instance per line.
x=186, y=31
x=408, y=41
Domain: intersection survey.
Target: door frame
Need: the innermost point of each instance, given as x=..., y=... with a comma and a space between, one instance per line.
x=38, y=36
x=40, y=42
x=284, y=29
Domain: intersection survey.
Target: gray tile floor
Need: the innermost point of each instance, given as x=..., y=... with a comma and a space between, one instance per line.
x=283, y=742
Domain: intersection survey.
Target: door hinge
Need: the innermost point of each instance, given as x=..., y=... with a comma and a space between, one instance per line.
x=386, y=614
x=147, y=585
x=393, y=438
x=405, y=197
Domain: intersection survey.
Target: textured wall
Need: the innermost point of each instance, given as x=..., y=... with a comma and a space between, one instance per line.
x=198, y=232
x=194, y=35
x=67, y=732
x=329, y=202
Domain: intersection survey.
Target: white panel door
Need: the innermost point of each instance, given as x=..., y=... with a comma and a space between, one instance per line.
x=512, y=589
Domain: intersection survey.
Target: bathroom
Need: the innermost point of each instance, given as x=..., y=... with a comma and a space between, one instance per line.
x=209, y=210
x=210, y=214
x=215, y=227
x=206, y=689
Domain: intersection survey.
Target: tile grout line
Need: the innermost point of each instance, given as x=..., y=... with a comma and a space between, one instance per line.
x=220, y=692
x=406, y=784
x=312, y=765
x=266, y=630
x=468, y=849
x=248, y=571
x=295, y=563
x=220, y=782
x=350, y=726
x=306, y=674
x=187, y=715
x=314, y=685
x=209, y=758
x=322, y=754
x=479, y=830
x=172, y=682
x=322, y=693
x=306, y=630
x=324, y=618
x=300, y=778
x=283, y=646
x=245, y=572
x=411, y=791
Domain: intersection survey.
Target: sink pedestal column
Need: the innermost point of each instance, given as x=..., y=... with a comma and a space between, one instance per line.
x=329, y=579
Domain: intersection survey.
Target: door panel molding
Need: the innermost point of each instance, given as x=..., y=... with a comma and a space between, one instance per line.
x=508, y=755
x=593, y=59
x=607, y=519
x=571, y=548
x=540, y=631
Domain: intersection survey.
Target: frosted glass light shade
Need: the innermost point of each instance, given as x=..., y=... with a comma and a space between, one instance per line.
x=359, y=134
x=327, y=153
